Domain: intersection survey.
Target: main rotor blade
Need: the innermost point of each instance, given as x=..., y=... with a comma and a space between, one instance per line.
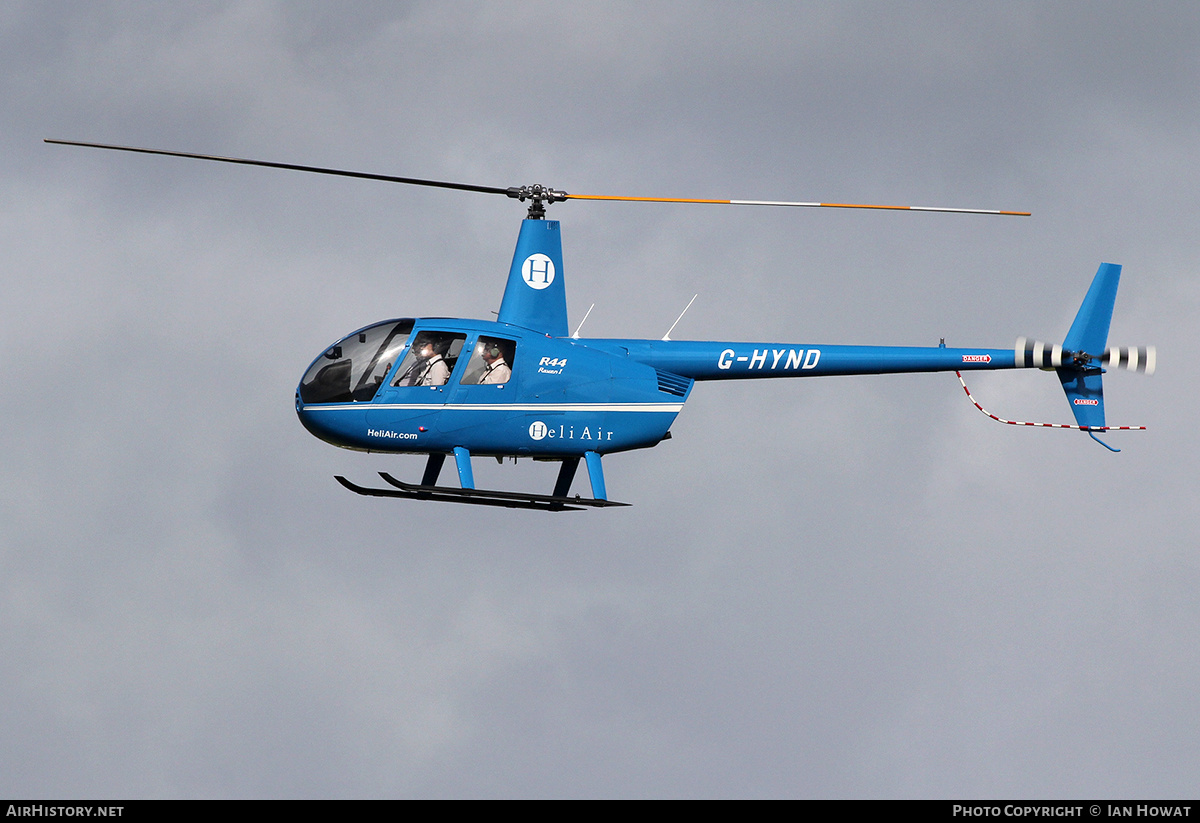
x=414, y=181
x=792, y=203
x=535, y=193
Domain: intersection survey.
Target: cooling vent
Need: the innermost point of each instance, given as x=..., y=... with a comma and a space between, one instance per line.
x=673, y=383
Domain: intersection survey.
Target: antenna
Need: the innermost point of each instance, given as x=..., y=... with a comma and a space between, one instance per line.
x=575, y=336
x=667, y=336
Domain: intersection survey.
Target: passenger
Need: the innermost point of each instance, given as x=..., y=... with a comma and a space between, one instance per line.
x=497, y=370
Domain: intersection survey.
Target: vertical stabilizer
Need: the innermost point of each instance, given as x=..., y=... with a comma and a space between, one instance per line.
x=1084, y=346
x=535, y=297
x=1089, y=332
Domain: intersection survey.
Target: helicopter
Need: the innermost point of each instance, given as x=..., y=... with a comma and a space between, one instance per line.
x=522, y=386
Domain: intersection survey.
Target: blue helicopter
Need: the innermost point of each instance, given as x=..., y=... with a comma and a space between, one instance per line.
x=523, y=386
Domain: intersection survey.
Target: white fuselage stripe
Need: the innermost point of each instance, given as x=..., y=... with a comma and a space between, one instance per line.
x=673, y=408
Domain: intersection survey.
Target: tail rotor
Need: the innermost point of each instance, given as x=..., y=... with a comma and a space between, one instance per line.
x=1083, y=357
x=1034, y=354
x=1131, y=358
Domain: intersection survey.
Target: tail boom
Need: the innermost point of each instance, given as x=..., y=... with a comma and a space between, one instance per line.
x=716, y=360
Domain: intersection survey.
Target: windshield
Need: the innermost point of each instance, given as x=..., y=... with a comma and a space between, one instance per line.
x=352, y=369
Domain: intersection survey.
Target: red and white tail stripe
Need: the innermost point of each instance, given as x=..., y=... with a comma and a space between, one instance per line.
x=1044, y=425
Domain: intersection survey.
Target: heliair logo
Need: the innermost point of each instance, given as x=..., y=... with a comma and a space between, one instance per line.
x=537, y=430
x=538, y=271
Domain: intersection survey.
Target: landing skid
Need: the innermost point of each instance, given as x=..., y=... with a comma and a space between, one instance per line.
x=477, y=497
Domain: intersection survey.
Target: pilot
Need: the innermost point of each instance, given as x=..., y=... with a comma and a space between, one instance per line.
x=437, y=370
x=430, y=368
x=497, y=370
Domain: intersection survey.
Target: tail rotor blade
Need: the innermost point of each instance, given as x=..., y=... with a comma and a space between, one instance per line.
x=1034, y=354
x=1133, y=358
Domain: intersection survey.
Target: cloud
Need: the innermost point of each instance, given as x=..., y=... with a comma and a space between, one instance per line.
x=839, y=587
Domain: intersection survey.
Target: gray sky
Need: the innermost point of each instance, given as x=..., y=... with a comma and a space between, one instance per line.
x=851, y=587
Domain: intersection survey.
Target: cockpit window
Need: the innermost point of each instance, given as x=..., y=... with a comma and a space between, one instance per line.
x=352, y=369
x=430, y=359
x=490, y=363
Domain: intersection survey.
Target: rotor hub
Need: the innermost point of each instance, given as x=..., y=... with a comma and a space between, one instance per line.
x=538, y=196
x=1081, y=359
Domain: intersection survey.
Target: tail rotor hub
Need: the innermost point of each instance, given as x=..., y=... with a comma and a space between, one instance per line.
x=1081, y=360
